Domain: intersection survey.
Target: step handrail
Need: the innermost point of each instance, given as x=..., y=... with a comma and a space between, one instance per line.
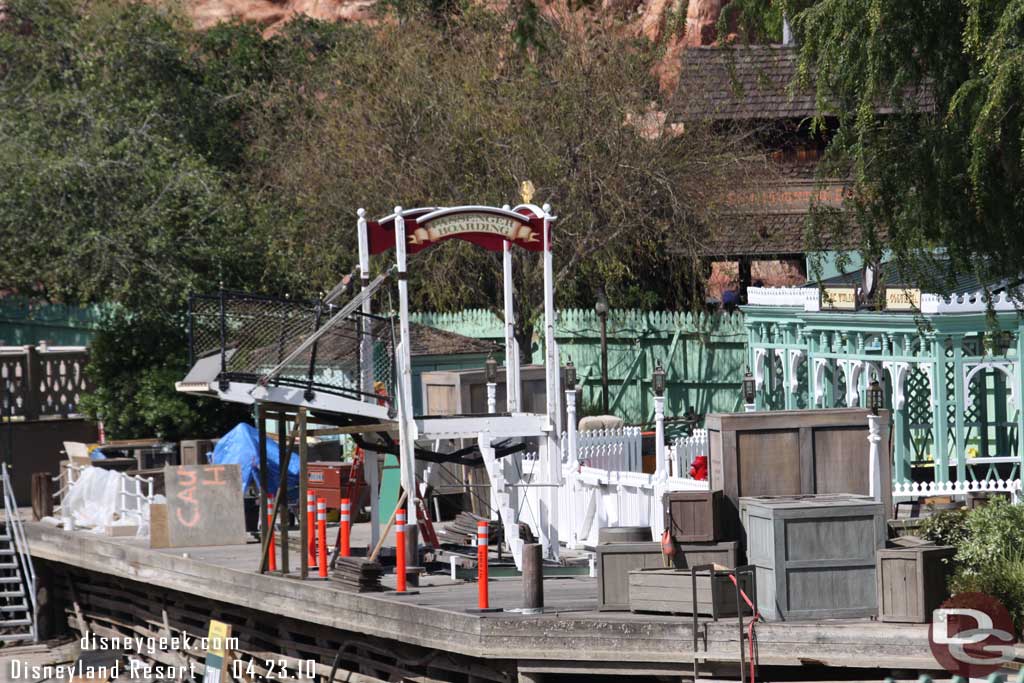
x=17, y=533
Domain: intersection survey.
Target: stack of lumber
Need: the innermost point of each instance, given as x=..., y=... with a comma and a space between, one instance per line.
x=357, y=574
x=463, y=529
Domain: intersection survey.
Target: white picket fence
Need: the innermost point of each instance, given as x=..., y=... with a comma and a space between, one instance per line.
x=611, y=449
x=684, y=449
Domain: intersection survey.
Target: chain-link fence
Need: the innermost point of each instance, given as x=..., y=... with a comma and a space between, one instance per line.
x=252, y=334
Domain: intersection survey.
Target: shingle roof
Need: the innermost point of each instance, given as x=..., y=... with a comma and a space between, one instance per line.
x=732, y=83
x=752, y=82
x=430, y=341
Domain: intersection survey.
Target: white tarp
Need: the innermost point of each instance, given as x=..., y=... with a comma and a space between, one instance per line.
x=95, y=501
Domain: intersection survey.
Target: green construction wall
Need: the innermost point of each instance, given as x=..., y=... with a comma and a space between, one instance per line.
x=23, y=322
x=704, y=356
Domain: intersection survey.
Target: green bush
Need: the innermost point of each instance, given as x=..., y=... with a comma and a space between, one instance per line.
x=948, y=527
x=1002, y=578
x=989, y=556
x=992, y=531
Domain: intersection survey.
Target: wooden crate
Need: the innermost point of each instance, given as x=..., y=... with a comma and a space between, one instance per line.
x=616, y=560
x=670, y=591
x=815, y=555
x=912, y=582
x=790, y=452
x=694, y=516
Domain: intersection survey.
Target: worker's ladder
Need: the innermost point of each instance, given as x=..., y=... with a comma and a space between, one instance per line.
x=17, y=576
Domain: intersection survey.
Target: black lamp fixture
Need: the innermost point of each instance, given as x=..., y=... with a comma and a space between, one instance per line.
x=570, y=375
x=749, y=387
x=491, y=369
x=875, y=397
x=658, y=380
x=601, y=305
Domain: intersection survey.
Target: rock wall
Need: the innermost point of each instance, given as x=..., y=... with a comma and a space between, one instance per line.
x=649, y=18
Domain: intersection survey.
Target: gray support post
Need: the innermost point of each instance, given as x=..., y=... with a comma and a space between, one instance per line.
x=261, y=425
x=304, y=530
x=533, y=578
x=284, y=460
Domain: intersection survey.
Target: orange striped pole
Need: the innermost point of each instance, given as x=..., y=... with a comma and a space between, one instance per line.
x=272, y=551
x=311, y=526
x=482, y=544
x=400, y=551
x=321, y=532
x=345, y=518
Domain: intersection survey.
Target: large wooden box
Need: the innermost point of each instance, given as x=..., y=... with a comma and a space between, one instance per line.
x=791, y=452
x=670, y=591
x=912, y=582
x=814, y=555
x=694, y=516
x=616, y=560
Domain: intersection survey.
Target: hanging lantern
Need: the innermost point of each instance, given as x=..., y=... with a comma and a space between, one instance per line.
x=875, y=398
x=491, y=370
x=658, y=380
x=570, y=375
x=749, y=388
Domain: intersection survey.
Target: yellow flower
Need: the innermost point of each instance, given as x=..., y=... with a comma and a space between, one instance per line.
x=972, y=451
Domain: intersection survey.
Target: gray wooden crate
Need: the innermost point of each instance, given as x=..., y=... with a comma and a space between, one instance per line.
x=670, y=591
x=789, y=452
x=616, y=560
x=694, y=516
x=912, y=582
x=815, y=555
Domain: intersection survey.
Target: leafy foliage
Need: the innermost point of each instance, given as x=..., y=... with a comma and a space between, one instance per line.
x=144, y=161
x=988, y=541
x=924, y=96
x=420, y=115
x=992, y=530
x=947, y=527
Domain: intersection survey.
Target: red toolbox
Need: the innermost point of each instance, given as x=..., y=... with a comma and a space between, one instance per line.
x=331, y=481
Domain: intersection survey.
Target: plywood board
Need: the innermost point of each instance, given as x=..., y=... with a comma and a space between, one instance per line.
x=204, y=505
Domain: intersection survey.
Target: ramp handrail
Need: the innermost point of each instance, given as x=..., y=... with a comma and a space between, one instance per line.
x=348, y=309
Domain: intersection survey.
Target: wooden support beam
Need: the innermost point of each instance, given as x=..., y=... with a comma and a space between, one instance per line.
x=304, y=530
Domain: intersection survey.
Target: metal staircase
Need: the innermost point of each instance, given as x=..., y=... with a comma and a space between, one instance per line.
x=17, y=576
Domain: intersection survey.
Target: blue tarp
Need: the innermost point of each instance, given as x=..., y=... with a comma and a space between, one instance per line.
x=241, y=446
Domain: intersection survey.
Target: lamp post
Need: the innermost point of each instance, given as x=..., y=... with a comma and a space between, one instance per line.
x=491, y=376
x=571, y=485
x=570, y=409
x=601, y=308
x=749, y=392
x=875, y=403
x=658, y=385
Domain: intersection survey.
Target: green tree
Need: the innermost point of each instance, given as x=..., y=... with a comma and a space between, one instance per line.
x=420, y=114
x=119, y=132
x=938, y=179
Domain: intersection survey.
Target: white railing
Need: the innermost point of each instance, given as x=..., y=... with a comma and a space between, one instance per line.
x=684, y=449
x=16, y=532
x=132, y=501
x=783, y=296
x=970, y=302
x=611, y=449
x=134, y=493
x=593, y=498
x=956, y=488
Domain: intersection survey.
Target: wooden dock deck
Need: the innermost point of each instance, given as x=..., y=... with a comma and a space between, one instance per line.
x=570, y=637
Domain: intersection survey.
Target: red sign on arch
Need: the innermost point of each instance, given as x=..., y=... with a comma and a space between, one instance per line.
x=486, y=227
